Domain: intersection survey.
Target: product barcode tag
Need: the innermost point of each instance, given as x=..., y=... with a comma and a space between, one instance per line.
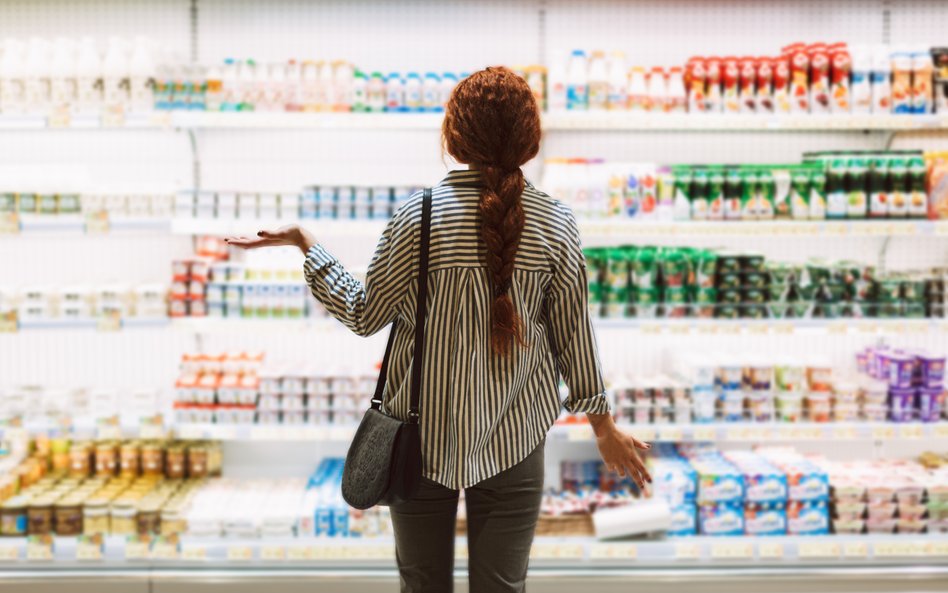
x=273, y=553
x=770, y=550
x=137, y=547
x=89, y=547
x=39, y=548
x=97, y=223
x=687, y=551
x=109, y=322
x=239, y=553
x=732, y=551
x=819, y=550
x=9, y=553
x=59, y=117
x=9, y=223
x=616, y=551
x=8, y=322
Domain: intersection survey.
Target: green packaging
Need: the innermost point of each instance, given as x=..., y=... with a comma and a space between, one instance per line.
x=749, y=192
x=716, y=194
x=645, y=269
x=699, y=195
x=857, y=204
x=733, y=192
x=817, y=204
x=800, y=194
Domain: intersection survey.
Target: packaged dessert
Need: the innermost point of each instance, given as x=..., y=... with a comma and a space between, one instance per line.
x=730, y=85
x=922, y=75
x=696, y=83
x=799, y=88
x=747, y=85
x=764, y=85
x=902, y=91
x=840, y=71
x=714, y=102
x=782, y=100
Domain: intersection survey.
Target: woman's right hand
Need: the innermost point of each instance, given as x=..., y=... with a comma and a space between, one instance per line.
x=291, y=234
x=620, y=451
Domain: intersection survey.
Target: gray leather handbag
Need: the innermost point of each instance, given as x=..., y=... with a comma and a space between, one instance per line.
x=383, y=465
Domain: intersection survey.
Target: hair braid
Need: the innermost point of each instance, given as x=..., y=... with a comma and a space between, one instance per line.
x=493, y=124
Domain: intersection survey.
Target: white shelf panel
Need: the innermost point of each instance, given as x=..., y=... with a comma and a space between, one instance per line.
x=604, y=228
x=68, y=223
x=552, y=122
x=559, y=552
x=773, y=432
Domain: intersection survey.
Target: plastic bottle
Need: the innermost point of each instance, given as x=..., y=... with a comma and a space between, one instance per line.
x=860, y=85
x=271, y=90
x=881, y=80
x=360, y=98
x=598, y=82
x=577, y=82
x=394, y=93
x=638, y=89
x=247, y=86
x=324, y=88
x=309, y=86
x=449, y=80
x=292, y=91
x=88, y=75
x=901, y=82
x=141, y=73
x=657, y=90
x=618, y=81
x=11, y=77
x=431, y=93
x=214, y=95
x=676, y=101
x=62, y=75
x=922, y=71
x=36, y=76
x=115, y=72
x=413, y=98
x=341, y=99
x=197, y=87
x=556, y=99
x=376, y=93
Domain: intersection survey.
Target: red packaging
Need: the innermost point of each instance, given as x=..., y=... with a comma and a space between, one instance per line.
x=730, y=91
x=713, y=104
x=696, y=80
x=765, y=78
x=781, y=90
x=799, y=78
x=747, y=84
x=819, y=78
x=841, y=65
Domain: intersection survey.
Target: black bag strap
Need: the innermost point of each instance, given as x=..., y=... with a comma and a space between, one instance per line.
x=421, y=310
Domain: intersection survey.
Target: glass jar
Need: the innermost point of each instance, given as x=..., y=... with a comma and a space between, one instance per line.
x=106, y=459
x=95, y=518
x=67, y=517
x=123, y=519
x=175, y=461
x=80, y=462
x=152, y=459
x=13, y=516
x=197, y=461
x=148, y=519
x=130, y=459
x=39, y=516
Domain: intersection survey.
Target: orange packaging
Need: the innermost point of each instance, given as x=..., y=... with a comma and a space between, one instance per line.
x=841, y=66
x=747, y=84
x=799, y=78
x=696, y=80
x=819, y=78
x=781, y=89
x=730, y=92
x=937, y=164
x=763, y=98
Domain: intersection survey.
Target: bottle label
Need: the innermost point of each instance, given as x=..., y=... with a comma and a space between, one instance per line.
x=576, y=96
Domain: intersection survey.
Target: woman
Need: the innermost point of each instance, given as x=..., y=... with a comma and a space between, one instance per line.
x=507, y=316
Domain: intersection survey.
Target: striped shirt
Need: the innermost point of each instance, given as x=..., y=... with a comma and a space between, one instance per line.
x=479, y=413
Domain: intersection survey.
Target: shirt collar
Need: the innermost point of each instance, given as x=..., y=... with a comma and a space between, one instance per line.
x=467, y=178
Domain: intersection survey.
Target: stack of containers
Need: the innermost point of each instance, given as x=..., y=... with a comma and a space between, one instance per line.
x=675, y=481
x=915, y=382
x=720, y=495
x=659, y=400
x=807, y=494
x=765, y=498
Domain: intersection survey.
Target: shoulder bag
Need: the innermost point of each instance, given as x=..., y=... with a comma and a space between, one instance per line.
x=383, y=465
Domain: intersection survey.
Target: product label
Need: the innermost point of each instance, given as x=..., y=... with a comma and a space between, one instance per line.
x=577, y=97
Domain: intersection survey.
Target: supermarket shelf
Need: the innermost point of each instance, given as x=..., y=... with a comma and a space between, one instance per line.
x=65, y=223
x=883, y=432
x=561, y=121
x=617, y=229
x=92, y=324
x=774, y=432
x=552, y=552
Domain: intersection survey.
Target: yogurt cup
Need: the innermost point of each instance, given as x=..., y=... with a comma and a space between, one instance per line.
x=901, y=370
x=931, y=370
x=902, y=405
x=929, y=403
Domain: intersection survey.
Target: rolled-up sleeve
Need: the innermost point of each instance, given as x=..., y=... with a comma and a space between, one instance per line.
x=571, y=332
x=365, y=308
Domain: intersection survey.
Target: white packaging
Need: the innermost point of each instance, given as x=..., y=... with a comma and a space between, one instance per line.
x=204, y=205
x=598, y=82
x=226, y=205
x=638, y=89
x=62, y=75
x=115, y=74
x=246, y=206
x=657, y=90
x=268, y=205
x=394, y=92
x=141, y=72
x=861, y=85
x=12, y=77
x=618, y=81
x=577, y=82
x=324, y=87
x=646, y=516
x=88, y=76
x=556, y=83
x=413, y=94
x=290, y=205
x=881, y=80
x=36, y=76
x=431, y=92
x=676, y=97
x=341, y=97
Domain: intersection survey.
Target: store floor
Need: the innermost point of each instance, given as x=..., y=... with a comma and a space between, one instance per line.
x=808, y=580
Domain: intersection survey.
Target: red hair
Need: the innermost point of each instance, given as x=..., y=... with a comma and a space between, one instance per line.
x=492, y=123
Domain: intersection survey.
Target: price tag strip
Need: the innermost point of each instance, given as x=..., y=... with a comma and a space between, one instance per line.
x=89, y=547
x=39, y=548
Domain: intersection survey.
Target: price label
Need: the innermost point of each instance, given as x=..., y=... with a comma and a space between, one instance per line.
x=39, y=548
x=938, y=549
x=644, y=433
x=810, y=433
x=137, y=548
x=770, y=550
x=837, y=328
x=940, y=431
x=165, y=550
x=89, y=547
x=616, y=551
x=113, y=117
x=9, y=223
x=109, y=322
x=189, y=432
x=551, y=551
x=651, y=328
x=579, y=433
x=239, y=553
x=273, y=553
x=670, y=434
x=9, y=553
x=758, y=328
x=299, y=553
x=193, y=552
x=896, y=549
x=8, y=325
x=883, y=433
x=844, y=433
x=783, y=328
x=732, y=551
x=856, y=550
x=704, y=433
x=97, y=223
x=819, y=550
x=911, y=431
x=687, y=551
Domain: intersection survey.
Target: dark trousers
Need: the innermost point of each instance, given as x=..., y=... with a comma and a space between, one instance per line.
x=502, y=516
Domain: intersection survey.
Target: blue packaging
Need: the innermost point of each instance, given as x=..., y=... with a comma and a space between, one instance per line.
x=684, y=520
x=807, y=518
x=765, y=518
x=721, y=519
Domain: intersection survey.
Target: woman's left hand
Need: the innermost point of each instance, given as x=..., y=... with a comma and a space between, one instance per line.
x=291, y=234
